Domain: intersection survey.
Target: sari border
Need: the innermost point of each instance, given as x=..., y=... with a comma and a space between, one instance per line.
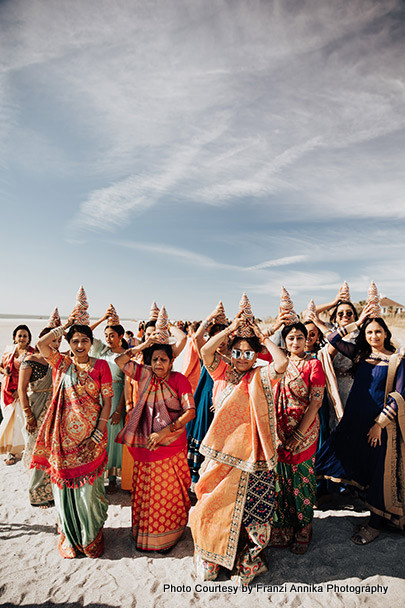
x=228, y=560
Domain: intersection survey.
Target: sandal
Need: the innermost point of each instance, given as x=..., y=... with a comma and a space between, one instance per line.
x=11, y=459
x=302, y=540
x=365, y=535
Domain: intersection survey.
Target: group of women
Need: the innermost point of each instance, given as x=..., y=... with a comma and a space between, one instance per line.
x=251, y=431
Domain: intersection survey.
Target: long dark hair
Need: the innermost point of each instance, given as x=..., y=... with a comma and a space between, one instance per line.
x=120, y=331
x=320, y=340
x=363, y=348
x=335, y=309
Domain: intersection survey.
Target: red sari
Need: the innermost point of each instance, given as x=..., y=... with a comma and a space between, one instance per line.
x=161, y=477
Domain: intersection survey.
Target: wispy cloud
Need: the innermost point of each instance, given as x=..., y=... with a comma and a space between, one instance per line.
x=196, y=259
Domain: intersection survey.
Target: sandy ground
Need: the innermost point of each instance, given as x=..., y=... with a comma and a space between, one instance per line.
x=334, y=572
x=33, y=574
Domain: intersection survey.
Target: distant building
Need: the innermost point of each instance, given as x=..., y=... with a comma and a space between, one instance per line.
x=388, y=306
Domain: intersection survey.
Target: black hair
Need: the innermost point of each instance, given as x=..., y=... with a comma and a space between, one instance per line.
x=321, y=340
x=151, y=323
x=253, y=342
x=120, y=331
x=148, y=352
x=215, y=329
x=130, y=333
x=363, y=348
x=24, y=327
x=298, y=325
x=81, y=329
x=45, y=331
x=334, y=311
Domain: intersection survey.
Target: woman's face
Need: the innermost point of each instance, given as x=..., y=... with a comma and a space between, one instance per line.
x=80, y=345
x=375, y=335
x=295, y=342
x=161, y=363
x=344, y=315
x=312, y=337
x=112, y=338
x=240, y=351
x=149, y=331
x=22, y=338
x=56, y=342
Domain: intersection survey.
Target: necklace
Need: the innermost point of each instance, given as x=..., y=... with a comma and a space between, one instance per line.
x=379, y=358
x=86, y=366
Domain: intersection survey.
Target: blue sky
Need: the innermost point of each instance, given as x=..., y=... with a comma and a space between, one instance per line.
x=187, y=151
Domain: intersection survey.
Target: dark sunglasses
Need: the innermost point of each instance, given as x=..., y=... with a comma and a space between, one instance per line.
x=247, y=354
x=345, y=313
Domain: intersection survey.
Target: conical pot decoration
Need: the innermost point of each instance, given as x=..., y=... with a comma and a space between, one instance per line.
x=154, y=312
x=113, y=319
x=162, y=327
x=344, y=292
x=245, y=330
x=287, y=306
x=374, y=299
x=80, y=310
x=54, y=319
x=310, y=308
x=220, y=316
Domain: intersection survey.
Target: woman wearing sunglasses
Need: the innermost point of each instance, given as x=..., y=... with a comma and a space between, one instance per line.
x=231, y=520
x=298, y=398
x=337, y=365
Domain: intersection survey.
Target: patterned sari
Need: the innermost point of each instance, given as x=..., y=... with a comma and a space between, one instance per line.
x=39, y=396
x=77, y=480
x=13, y=423
x=231, y=521
x=161, y=477
x=296, y=474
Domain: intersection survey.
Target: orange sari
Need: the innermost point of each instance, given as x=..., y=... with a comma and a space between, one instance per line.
x=240, y=444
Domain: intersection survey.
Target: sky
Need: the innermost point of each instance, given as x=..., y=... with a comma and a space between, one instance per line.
x=186, y=151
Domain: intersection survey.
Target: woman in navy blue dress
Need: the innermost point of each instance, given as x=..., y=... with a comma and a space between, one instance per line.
x=367, y=448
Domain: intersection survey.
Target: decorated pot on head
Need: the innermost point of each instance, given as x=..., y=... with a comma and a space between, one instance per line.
x=245, y=330
x=54, y=319
x=162, y=333
x=287, y=307
x=113, y=318
x=154, y=312
x=374, y=300
x=311, y=308
x=344, y=292
x=80, y=310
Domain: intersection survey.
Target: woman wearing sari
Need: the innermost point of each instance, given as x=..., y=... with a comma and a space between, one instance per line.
x=231, y=521
x=156, y=437
x=298, y=398
x=12, y=425
x=35, y=392
x=203, y=396
x=367, y=448
x=72, y=441
x=131, y=386
x=115, y=345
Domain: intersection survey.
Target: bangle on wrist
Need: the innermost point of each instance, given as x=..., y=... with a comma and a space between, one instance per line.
x=206, y=324
x=58, y=332
x=105, y=419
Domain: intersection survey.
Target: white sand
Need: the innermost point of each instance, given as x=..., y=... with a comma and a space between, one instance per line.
x=33, y=573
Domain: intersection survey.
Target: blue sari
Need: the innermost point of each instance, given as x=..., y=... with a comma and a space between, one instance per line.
x=198, y=427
